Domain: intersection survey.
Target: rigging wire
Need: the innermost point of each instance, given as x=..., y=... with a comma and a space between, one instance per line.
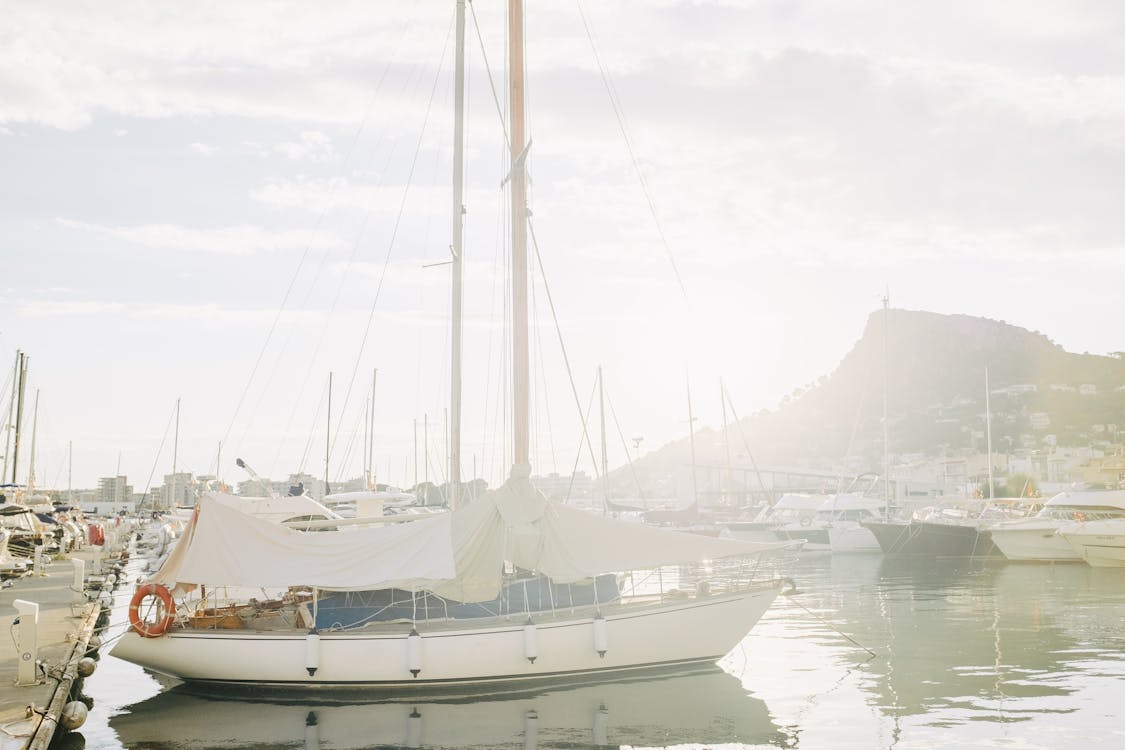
x=148, y=482
x=625, y=446
x=394, y=234
x=746, y=445
x=312, y=432
x=491, y=81
x=538, y=345
x=314, y=360
x=300, y=265
x=360, y=423
x=619, y=113
x=578, y=454
x=562, y=344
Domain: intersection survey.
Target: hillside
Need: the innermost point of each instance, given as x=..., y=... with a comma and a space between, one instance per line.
x=935, y=370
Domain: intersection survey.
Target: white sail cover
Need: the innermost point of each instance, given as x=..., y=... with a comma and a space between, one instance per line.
x=516, y=523
x=224, y=546
x=458, y=555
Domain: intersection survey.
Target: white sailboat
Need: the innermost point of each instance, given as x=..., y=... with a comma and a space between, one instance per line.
x=511, y=587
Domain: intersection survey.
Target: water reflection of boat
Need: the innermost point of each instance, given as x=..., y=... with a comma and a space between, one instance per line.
x=704, y=706
x=962, y=640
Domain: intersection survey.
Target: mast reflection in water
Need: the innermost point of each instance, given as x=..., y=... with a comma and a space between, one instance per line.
x=967, y=654
x=703, y=706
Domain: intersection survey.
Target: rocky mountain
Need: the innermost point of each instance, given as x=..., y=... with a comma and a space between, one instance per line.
x=1041, y=395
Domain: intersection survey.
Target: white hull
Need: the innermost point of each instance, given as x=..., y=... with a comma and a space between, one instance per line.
x=692, y=630
x=1099, y=550
x=1033, y=541
x=849, y=536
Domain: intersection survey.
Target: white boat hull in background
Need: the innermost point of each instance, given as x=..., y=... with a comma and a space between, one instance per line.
x=1033, y=540
x=1099, y=543
x=850, y=536
x=635, y=637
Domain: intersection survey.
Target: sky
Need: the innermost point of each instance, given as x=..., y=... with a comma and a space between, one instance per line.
x=222, y=203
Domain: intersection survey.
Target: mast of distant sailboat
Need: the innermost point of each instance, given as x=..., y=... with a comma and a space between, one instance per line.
x=988, y=430
x=886, y=427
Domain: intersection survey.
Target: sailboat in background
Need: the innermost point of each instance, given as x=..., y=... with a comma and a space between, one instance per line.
x=511, y=587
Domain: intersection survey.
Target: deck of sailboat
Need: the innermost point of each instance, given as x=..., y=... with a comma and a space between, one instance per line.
x=630, y=606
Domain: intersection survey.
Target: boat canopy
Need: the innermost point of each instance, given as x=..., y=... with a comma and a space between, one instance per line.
x=221, y=545
x=1088, y=499
x=458, y=555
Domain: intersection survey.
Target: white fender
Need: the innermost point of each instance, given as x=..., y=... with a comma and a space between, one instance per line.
x=312, y=731
x=601, y=637
x=312, y=652
x=601, y=726
x=530, y=643
x=414, y=729
x=414, y=652
x=530, y=730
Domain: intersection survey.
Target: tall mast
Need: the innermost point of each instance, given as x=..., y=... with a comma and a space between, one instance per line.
x=11, y=413
x=520, y=370
x=22, y=367
x=886, y=429
x=176, y=443
x=988, y=429
x=605, y=458
x=458, y=248
x=371, y=435
x=726, y=440
x=70, y=471
x=34, y=431
x=691, y=440
x=174, y=486
x=327, y=438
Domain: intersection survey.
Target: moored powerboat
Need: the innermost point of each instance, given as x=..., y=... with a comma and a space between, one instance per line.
x=1036, y=538
x=1100, y=543
x=954, y=529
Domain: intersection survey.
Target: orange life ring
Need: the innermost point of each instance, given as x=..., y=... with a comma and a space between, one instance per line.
x=166, y=609
x=806, y=521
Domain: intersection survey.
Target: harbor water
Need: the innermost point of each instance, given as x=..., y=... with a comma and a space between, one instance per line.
x=871, y=652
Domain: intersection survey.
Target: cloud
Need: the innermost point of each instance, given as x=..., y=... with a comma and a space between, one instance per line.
x=206, y=312
x=213, y=59
x=313, y=145
x=235, y=240
x=203, y=149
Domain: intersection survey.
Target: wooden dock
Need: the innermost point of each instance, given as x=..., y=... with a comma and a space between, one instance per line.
x=32, y=702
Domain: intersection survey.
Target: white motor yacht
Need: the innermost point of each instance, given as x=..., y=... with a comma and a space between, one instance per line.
x=1036, y=538
x=1099, y=543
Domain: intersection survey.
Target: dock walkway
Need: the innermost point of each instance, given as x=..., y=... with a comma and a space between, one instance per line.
x=66, y=622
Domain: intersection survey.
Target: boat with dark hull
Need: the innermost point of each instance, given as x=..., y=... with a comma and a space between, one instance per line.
x=960, y=530
x=929, y=538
